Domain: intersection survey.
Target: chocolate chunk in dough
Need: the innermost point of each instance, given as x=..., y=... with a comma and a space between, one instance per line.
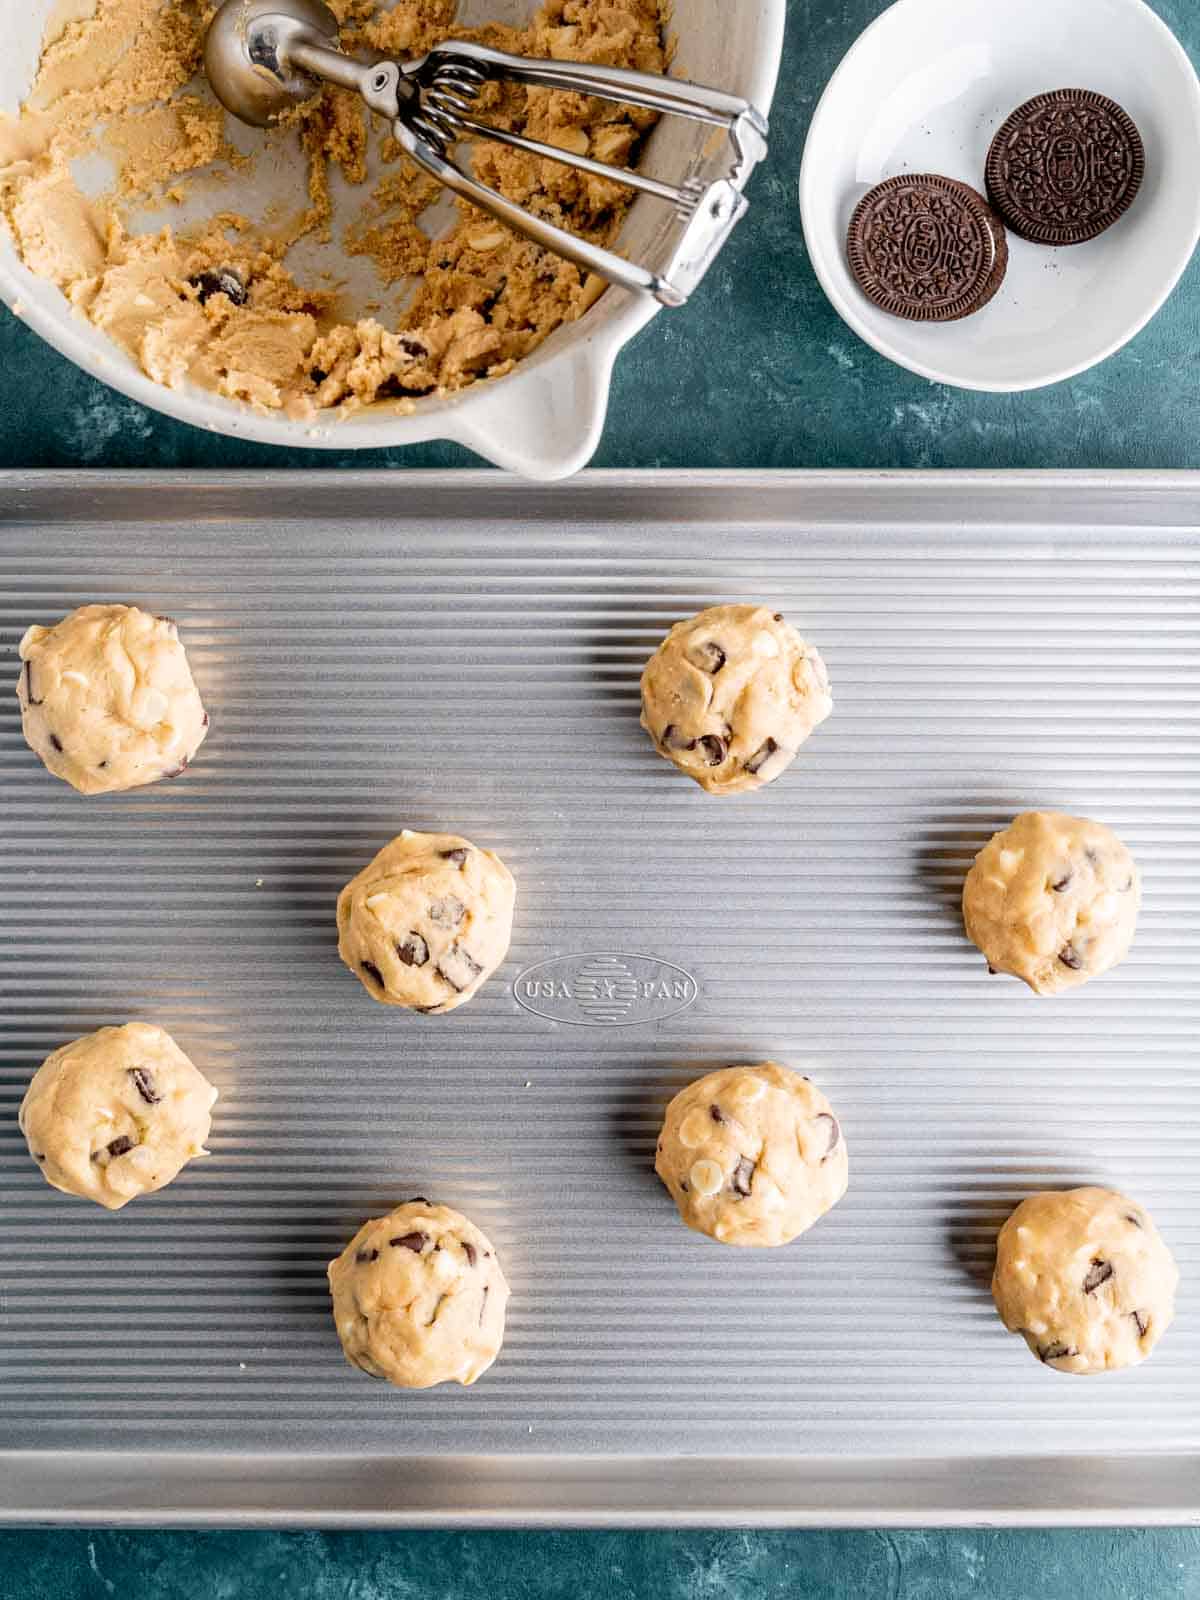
x=431, y=1309
x=1087, y=1292
x=430, y=914
x=1045, y=900
x=737, y=1154
x=733, y=714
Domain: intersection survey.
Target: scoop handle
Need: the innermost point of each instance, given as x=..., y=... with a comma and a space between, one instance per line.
x=383, y=86
x=591, y=257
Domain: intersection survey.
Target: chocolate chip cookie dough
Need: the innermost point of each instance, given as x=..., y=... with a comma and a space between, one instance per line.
x=1084, y=1277
x=752, y=1155
x=427, y=922
x=1053, y=900
x=419, y=1297
x=107, y=699
x=731, y=695
x=116, y=1114
x=223, y=303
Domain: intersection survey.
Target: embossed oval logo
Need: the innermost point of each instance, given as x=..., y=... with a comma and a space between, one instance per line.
x=605, y=990
x=923, y=245
x=1068, y=165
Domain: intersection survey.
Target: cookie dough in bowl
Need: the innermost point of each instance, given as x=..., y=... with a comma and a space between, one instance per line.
x=116, y=1114
x=427, y=922
x=1085, y=1278
x=752, y=1155
x=223, y=303
x=1053, y=900
x=335, y=240
x=731, y=694
x=419, y=1297
x=107, y=699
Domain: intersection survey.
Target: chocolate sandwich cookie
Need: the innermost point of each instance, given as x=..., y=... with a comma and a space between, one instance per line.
x=927, y=248
x=1065, y=166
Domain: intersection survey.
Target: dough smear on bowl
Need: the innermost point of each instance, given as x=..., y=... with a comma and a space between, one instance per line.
x=216, y=302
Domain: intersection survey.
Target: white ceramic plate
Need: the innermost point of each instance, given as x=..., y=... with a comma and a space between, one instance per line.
x=923, y=90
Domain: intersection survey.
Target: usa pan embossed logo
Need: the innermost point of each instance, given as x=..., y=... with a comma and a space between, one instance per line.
x=605, y=991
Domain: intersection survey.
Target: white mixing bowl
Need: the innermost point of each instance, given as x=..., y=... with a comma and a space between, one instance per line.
x=543, y=420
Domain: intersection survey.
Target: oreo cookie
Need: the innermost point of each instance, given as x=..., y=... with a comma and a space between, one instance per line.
x=927, y=248
x=1065, y=166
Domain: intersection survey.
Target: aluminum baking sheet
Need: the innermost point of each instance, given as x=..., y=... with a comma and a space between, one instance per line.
x=388, y=650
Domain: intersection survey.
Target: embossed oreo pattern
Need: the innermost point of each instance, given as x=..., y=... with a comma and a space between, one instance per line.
x=927, y=248
x=1065, y=166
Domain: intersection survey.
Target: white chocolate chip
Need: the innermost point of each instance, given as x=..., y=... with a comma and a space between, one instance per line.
x=706, y=1177
x=76, y=677
x=1106, y=909
x=486, y=238
x=573, y=139
x=749, y=1089
x=374, y=900
x=148, y=707
x=695, y=1129
x=1010, y=860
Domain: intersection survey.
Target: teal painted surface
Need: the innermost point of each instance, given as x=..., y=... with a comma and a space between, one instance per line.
x=757, y=372
x=602, y=1566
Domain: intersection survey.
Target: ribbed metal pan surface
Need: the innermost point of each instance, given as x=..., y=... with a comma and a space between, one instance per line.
x=461, y=652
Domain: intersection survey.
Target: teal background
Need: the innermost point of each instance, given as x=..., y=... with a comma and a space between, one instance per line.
x=1125, y=1565
x=759, y=372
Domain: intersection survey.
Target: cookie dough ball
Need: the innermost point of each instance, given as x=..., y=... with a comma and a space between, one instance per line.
x=419, y=1297
x=1053, y=900
x=1083, y=1276
x=116, y=1114
x=428, y=922
x=107, y=699
x=752, y=1155
x=731, y=695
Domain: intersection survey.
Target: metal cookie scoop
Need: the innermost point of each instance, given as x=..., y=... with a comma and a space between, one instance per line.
x=263, y=57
